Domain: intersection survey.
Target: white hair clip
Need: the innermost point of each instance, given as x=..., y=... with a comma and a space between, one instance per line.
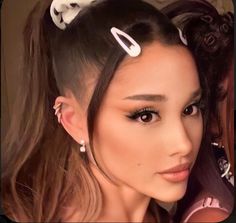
x=64, y=11
x=183, y=39
x=134, y=50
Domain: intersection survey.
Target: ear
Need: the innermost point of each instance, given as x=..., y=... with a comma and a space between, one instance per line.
x=73, y=118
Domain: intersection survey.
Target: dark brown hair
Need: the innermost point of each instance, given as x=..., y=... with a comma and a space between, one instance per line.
x=42, y=169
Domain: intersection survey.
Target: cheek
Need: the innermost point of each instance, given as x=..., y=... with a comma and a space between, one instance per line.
x=118, y=146
x=195, y=131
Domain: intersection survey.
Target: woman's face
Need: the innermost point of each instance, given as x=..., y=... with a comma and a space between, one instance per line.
x=150, y=121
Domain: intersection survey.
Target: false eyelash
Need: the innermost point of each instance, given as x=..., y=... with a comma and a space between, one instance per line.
x=134, y=115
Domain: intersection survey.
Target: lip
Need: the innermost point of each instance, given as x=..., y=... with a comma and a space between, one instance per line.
x=177, y=168
x=177, y=173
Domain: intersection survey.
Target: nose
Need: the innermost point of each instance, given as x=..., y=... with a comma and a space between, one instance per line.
x=179, y=141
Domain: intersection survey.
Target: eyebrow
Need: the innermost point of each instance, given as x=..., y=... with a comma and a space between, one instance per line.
x=147, y=97
x=158, y=97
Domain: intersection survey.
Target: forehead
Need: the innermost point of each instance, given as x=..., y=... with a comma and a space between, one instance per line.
x=159, y=67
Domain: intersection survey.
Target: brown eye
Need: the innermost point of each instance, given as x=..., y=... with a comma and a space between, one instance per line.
x=148, y=117
x=145, y=116
x=191, y=110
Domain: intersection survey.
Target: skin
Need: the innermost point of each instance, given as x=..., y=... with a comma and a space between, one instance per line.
x=207, y=214
x=131, y=151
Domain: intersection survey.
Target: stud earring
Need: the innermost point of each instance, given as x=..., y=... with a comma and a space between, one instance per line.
x=82, y=146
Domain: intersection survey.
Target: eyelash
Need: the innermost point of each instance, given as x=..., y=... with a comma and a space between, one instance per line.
x=148, y=110
x=199, y=105
x=144, y=111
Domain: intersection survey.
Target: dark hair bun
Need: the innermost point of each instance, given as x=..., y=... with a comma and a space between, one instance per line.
x=210, y=39
x=218, y=31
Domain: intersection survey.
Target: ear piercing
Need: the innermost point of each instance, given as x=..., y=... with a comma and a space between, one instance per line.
x=57, y=108
x=82, y=146
x=219, y=145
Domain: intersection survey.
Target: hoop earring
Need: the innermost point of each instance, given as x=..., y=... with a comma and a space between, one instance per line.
x=227, y=172
x=82, y=146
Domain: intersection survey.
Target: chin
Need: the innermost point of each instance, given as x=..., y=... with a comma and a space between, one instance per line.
x=174, y=198
x=171, y=194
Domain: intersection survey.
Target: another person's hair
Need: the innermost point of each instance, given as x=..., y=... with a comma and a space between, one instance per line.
x=210, y=39
x=42, y=169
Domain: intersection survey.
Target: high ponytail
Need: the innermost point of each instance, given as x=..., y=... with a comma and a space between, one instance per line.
x=41, y=169
x=45, y=178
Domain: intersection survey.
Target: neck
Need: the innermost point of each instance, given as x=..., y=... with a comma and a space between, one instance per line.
x=120, y=202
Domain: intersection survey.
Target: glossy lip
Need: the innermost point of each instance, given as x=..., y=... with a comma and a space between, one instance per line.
x=176, y=169
x=176, y=174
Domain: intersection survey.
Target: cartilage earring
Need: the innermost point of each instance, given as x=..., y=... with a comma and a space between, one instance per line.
x=57, y=108
x=218, y=145
x=82, y=146
x=227, y=172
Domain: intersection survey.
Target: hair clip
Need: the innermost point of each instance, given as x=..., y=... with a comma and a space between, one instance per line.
x=57, y=108
x=64, y=11
x=207, y=18
x=183, y=39
x=134, y=50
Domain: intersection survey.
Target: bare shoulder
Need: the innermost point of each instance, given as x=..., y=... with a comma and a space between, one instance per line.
x=209, y=215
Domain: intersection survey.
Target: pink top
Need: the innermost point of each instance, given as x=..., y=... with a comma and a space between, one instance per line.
x=208, y=202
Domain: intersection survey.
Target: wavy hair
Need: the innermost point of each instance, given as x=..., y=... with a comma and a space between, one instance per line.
x=42, y=169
